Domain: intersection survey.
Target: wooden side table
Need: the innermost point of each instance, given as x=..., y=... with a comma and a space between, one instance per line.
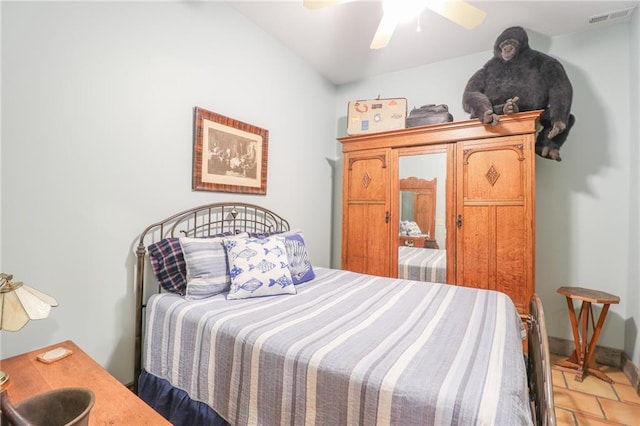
x=114, y=403
x=583, y=357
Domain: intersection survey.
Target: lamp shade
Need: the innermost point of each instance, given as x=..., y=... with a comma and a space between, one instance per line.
x=20, y=303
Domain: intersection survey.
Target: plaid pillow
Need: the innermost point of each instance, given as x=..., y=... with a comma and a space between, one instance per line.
x=168, y=265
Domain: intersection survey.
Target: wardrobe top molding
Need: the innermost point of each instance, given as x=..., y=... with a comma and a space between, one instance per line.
x=454, y=131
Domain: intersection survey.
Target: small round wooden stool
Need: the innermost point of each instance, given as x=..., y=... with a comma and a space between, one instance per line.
x=582, y=359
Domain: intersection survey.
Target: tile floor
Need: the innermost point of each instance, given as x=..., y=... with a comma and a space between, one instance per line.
x=594, y=402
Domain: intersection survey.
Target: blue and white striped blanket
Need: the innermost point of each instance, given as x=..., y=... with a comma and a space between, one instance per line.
x=348, y=349
x=422, y=264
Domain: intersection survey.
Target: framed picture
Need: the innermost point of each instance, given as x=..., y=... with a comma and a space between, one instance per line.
x=228, y=155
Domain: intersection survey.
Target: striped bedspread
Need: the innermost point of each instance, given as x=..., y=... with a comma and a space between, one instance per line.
x=348, y=349
x=422, y=264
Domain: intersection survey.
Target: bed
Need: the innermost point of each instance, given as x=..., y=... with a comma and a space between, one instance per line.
x=422, y=264
x=337, y=348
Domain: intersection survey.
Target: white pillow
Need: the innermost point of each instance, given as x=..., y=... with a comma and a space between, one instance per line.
x=258, y=267
x=412, y=228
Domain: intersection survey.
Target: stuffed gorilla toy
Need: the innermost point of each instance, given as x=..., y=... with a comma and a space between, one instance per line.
x=519, y=78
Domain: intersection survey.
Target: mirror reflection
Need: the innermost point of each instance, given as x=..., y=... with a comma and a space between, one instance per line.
x=418, y=212
x=422, y=228
x=423, y=196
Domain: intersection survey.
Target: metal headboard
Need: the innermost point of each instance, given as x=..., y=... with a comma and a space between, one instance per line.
x=203, y=221
x=539, y=366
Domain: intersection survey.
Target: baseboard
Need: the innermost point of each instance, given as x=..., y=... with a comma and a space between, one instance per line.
x=606, y=356
x=631, y=371
x=560, y=346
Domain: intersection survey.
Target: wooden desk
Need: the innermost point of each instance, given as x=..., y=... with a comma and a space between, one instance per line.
x=115, y=404
x=583, y=357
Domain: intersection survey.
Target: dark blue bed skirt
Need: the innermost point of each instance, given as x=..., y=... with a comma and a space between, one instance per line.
x=174, y=404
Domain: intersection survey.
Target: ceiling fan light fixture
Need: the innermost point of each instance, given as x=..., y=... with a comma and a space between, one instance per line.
x=397, y=11
x=394, y=12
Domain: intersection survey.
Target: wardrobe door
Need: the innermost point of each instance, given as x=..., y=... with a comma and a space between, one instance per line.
x=424, y=194
x=366, y=228
x=495, y=216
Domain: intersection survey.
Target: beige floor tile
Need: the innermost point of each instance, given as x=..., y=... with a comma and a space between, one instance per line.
x=591, y=385
x=564, y=417
x=615, y=374
x=627, y=393
x=584, y=420
x=594, y=402
x=621, y=412
x=577, y=401
x=558, y=379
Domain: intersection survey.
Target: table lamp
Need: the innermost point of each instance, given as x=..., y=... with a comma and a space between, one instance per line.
x=19, y=304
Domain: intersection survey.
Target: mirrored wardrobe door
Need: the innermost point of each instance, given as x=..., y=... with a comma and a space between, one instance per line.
x=422, y=197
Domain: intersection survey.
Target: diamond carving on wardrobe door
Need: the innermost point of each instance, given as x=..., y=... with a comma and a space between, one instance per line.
x=366, y=179
x=492, y=175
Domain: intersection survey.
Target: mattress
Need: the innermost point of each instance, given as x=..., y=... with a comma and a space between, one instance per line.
x=422, y=264
x=349, y=349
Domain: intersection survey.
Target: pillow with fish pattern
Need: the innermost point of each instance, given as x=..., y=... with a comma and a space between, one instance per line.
x=258, y=267
x=206, y=266
x=299, y=262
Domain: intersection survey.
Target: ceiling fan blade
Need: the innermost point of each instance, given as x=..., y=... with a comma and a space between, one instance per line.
x=459, y=11
x=317, y=4
x=385, y=30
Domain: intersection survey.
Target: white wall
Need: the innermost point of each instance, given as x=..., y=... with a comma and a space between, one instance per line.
x=97, y=114
x=583, y=203
x=632, y=323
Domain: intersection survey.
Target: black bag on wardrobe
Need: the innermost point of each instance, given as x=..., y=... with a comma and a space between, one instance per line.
x=429, y=114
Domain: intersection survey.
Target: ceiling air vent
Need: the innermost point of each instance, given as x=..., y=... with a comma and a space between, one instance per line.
x=608, y=16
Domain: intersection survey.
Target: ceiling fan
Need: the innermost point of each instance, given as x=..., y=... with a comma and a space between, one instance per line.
x=397, y=11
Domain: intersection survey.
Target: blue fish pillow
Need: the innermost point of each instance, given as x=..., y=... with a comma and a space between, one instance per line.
x=258, y=267
x=299, y=262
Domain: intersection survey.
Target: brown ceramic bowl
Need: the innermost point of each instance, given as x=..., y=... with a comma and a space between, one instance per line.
x=60, y=407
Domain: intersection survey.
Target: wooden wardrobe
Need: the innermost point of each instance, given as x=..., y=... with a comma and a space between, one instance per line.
x=490, y=201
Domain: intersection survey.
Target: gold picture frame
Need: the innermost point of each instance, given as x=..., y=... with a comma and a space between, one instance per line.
x=228, y=155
